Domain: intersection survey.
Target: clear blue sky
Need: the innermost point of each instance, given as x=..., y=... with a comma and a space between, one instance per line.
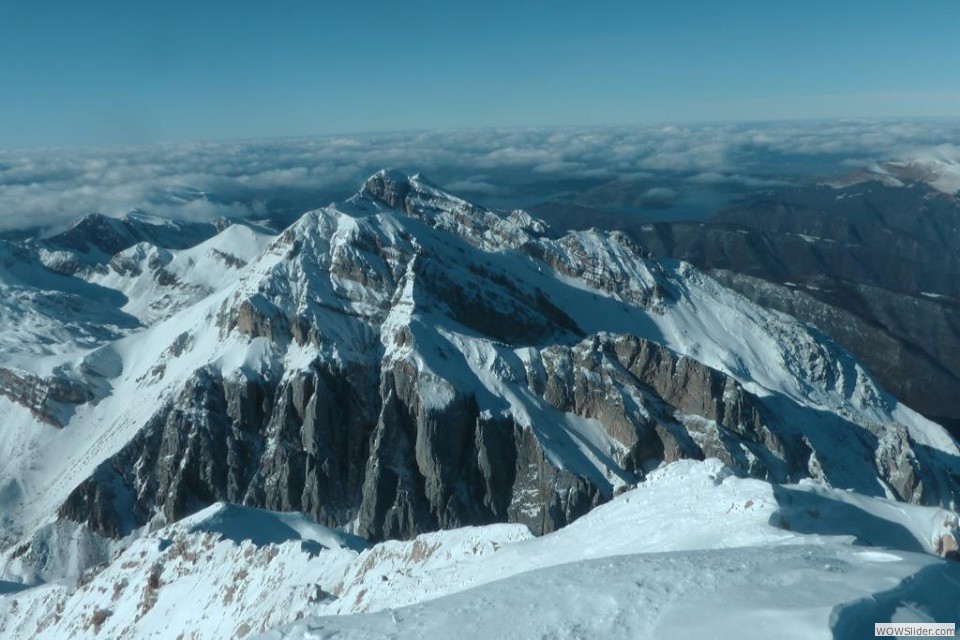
x=109, y=72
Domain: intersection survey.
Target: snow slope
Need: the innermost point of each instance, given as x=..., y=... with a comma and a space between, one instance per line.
x=133, y=369
x=159, y=281
x=218, y=574
x=783, y=592
x=692, y=552
x=694, y=549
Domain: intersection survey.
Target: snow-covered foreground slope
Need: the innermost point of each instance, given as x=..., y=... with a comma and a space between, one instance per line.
x=694, y=552
x=784, y=592
x=695, y=549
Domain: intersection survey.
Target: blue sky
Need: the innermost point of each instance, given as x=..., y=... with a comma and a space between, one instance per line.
x=112, y=72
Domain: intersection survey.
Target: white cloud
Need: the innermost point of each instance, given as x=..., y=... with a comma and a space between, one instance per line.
x=660, y=193
x=203, y=180
x=476, y=184
x=712, y=177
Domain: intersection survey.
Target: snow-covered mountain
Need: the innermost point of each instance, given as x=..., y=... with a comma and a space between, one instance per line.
x=394, y=365
x=943, y=174
x=873, y=266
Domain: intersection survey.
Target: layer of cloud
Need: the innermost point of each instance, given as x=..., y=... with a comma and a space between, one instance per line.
x=50, y=188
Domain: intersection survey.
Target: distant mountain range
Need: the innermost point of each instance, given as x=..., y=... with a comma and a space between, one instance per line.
x=871, y=259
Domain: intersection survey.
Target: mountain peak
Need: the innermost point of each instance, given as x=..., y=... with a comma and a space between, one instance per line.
x=389, y=186
x=421, y=179
x=95, y=231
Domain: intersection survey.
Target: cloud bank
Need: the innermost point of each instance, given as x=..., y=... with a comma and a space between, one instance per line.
x=50, y=188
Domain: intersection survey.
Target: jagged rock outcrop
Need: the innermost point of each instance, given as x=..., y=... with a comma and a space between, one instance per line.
x=339, y=448
x=49, y=399
x=664, y=407
x=299, y=446
x=448, y=465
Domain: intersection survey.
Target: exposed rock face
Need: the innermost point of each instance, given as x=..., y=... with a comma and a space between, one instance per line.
x=947, y=547
x=391, y=187
x=947, y=542
x=297, y=447
x=664, y=407
x=339, y=447
x=48, y=399
x=304, y=447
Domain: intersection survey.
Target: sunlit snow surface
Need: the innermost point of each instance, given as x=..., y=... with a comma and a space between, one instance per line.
x=695, y=550
x=691, y=554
